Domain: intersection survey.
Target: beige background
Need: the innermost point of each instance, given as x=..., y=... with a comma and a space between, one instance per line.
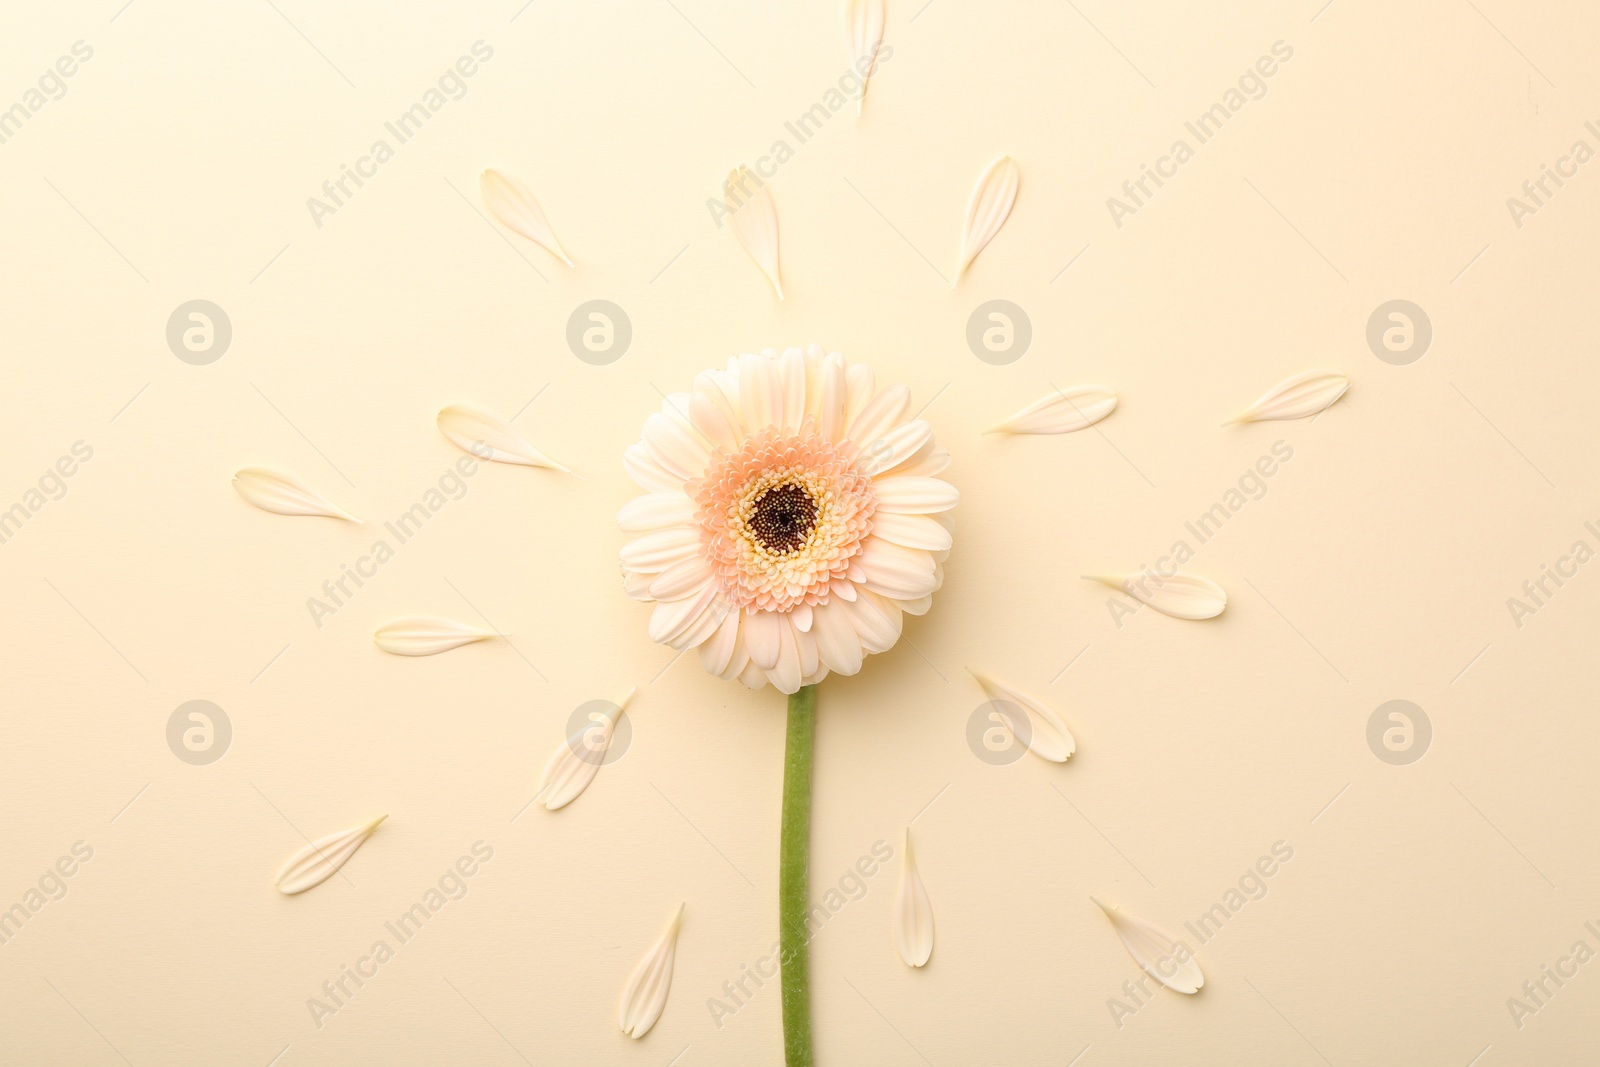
x=1377, y=166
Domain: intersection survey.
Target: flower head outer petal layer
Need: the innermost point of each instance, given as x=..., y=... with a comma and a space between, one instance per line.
x=792, y=516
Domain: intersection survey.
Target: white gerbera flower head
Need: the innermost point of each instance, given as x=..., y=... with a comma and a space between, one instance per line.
x=792, y=514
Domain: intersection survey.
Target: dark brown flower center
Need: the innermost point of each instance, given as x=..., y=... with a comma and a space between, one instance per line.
x=782, y=518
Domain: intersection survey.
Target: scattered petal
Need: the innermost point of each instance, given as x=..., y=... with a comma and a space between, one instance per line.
x=1167, y=961
x=913, y=913
x=426, y=636
x=1295, y=398
x=645, y=994
x=1183, y=596
x=318, y=861
x=1045, y=735
x=513, y=204
x=863, y=31
x=1062, y=411
x=283, y=495
x=489, y=436
x=987, y=210
x=755, y=221
x=575, y=763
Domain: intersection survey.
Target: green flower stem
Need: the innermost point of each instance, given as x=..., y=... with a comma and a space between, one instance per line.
x=793, y=868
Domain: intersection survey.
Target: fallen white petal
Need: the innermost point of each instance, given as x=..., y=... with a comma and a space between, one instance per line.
x=426, y=636
x=755, y=222
x=513, y=203
x=1183, y=596
x=1062, y=412
x=317, y=862
x=575, y=763
x=863, y=31
x=1167, y=961
x=488, y=436
x=913, y=912
x=1295, y=398
x=987, y=210
x=1046, y=736
x=283, y=495
x=645, y=994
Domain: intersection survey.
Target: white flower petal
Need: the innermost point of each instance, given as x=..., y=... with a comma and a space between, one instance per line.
x=703, y=626
x=880, y=416
x=838, y=644
x=755, y=221
x=913, y=912
x=929, y=462
x=1181, y=595
x=910, y=495
x=912, y=531
x=426, y=636
x=786, y=673
x=792, y=388
x=318, y=861
x=647, y=473
x=752, y=677
x=831, y=403
x=860, y=387
x=801, y=616
x=1295, y=398
x=513, y=203
x=721, y=388
x=1167, y=961
x=488, y=436
x=811, y=663
x=578, y=758
x=675, y=445
x=863, y=33
x=654, y=552
x=713, y=423
x=763, y=637
x=760, y=392
x=716, y=652
x=1063, y=411
x=655, y=511
x=894, y=448
x=283, y=495
x=644, y=996
x=1045, y=734
x=637, y=585
x=683, y=579
x=672, y=622
x=877, y=620
x=987, y=210
x=896, y=572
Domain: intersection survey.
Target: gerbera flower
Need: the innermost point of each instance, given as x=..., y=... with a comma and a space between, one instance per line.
x=792, y=514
